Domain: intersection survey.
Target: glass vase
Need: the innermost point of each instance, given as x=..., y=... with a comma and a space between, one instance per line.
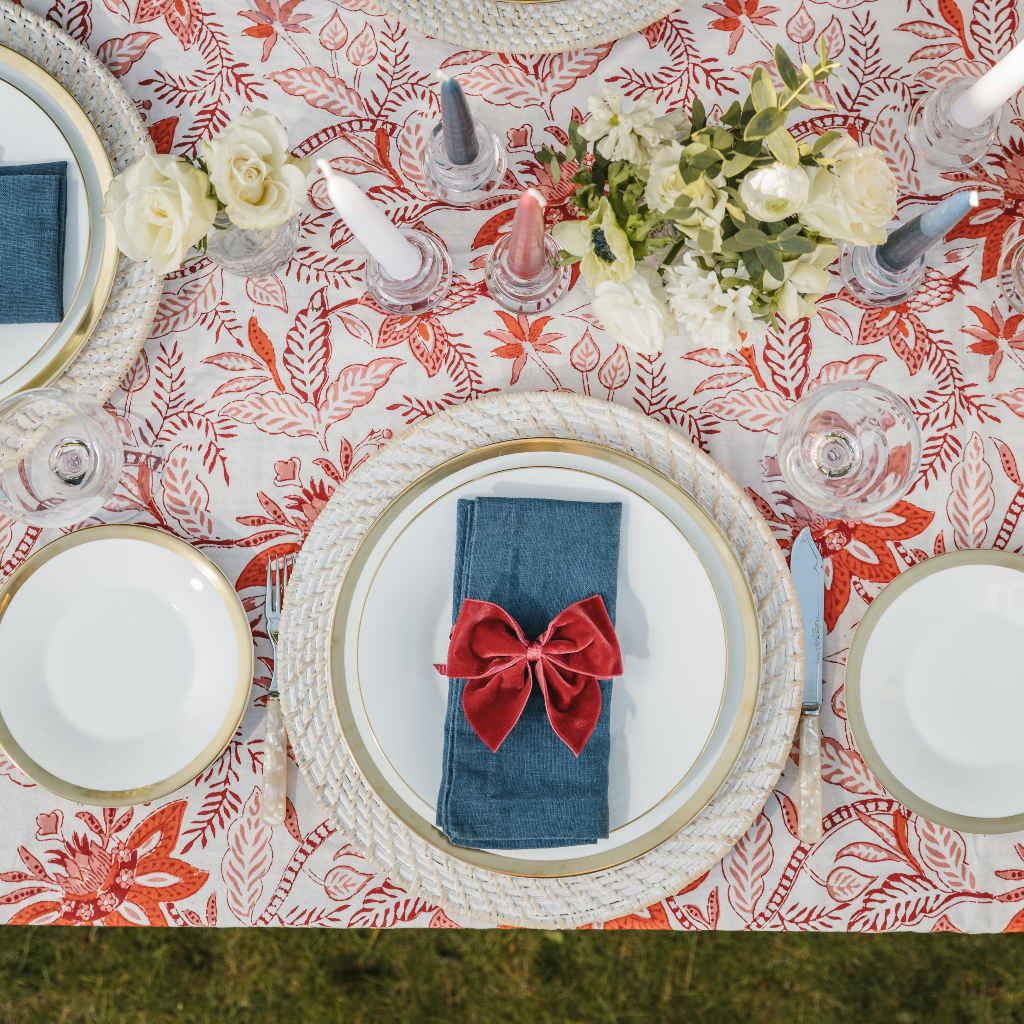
x=247, y=252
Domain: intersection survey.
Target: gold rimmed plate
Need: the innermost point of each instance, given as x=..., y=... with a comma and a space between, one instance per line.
x=686, y=622
x=42, y=123
x=935, y=692
x=127, y=665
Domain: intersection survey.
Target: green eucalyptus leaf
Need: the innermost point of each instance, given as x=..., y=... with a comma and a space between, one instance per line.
x=762, y=91
x=707, y=159
x=824, y=140
x=752, y=263
x=706, y=240
x=556, y=172
x=785, y=68
x=783, y=145
x=698, y=117
x=736, y=164
x=722, y=139
x=771, y=260
x=797, y=245
x=733, y=115
x=764, y=122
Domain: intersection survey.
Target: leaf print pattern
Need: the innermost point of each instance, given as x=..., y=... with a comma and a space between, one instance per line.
x=253, y=400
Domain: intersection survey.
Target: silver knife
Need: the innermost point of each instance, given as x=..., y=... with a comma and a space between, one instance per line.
x=809, y=578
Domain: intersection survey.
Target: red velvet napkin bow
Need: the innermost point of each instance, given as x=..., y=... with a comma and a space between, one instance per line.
x=490, y=651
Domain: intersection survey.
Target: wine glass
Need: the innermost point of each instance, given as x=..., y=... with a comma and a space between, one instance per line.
x=849, y=449
x=60, y=457
x=1011, y=269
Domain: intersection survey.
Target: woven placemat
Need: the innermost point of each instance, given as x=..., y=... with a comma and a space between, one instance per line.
x=122, y=330
x=515, y=27
x=335, y=778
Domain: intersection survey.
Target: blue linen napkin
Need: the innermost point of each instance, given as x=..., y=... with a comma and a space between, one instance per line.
x=534, y=557
x=33, y=219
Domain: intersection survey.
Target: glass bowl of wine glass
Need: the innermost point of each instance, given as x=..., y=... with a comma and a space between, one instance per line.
x=849, y=449
x=60, y=457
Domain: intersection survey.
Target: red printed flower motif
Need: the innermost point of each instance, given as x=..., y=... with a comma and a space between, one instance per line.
x=732, y=14
x=104, y=879
x=48, y=824
x=521, y=333
x=287, y=471
x=994, y=329
x=267, y=15
x=993, y=218
x=182, y=16
x=851, y=550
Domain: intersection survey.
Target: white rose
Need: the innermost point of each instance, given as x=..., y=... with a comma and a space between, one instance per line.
x=627, y=136
x=775, y=193
x=160, y=207
x=854, y=199
x=255, y=176
x=805, y=281
x=716, y=316
x=664, y=182
x=634, y=312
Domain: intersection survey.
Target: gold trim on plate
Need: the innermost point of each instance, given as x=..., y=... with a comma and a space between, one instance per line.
x=243, y=684
x=855, y=709
x=576, y=865
x=108, y=261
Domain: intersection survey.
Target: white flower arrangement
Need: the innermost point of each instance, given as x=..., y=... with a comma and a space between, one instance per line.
x=750, y=217
x=162, y=205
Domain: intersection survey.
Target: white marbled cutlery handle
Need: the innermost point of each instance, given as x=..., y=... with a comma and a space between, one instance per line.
x=809, y=784
x=275, y=765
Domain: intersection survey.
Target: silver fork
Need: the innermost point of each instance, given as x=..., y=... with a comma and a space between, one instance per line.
x=275, y=743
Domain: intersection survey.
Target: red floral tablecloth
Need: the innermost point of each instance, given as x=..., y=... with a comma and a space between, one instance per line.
x=254, y=399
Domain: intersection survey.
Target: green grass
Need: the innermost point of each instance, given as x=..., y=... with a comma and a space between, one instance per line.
x=64, y=976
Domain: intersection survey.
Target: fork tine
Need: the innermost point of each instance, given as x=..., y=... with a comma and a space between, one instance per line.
x=277, y=585
x=269, y=596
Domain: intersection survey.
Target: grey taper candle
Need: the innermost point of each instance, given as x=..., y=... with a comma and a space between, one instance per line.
x=457, y=124
x=910, y=241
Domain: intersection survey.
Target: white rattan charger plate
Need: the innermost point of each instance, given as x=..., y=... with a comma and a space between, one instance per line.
x=527, y=26
x=95, y=364
x=466, y=884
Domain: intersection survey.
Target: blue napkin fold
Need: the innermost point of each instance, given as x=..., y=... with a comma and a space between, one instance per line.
x=33, y=221
x=534, y=557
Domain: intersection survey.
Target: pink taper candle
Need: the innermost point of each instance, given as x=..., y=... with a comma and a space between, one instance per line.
x=526, y=257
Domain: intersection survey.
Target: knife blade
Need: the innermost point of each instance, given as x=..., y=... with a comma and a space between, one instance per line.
x=809, y=579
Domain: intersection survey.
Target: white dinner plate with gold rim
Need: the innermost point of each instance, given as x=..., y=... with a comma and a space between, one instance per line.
x=127, y=665
x=42, y=122
x=686, y=623
x=935, y=690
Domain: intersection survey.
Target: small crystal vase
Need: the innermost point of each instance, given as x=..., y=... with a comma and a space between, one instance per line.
x=939, y=139
x=1011, y=270
x=247, y=252
x=464, y=184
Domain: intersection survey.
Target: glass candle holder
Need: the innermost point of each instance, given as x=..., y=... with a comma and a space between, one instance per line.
x=525, y=295
x=940, y=140
x=874, y=283
x=464, y=184
x=1011, y=269
x=424, y=290
x=60, y=457
x=849, y=449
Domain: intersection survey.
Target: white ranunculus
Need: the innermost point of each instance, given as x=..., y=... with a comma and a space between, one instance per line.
x=160, y=207
x=628, y=136
x=776, y=192
x=634, y=312
x=256, y=178
x=716, y=316
x=854, y=199
x=664, y=182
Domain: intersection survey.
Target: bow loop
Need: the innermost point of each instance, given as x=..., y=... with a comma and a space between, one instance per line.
x=490, y=651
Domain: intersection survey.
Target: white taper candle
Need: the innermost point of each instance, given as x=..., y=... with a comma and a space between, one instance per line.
x=990, y=91
x=398, y=258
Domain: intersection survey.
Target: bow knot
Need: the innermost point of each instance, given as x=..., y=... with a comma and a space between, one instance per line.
x=490, y=651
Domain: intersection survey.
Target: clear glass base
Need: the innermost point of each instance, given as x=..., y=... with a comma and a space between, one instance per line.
x=525, y=296
x=464, y=184
x=1011, y=272
x=420, y=293
x=249, y=253
x=937, y=138
x=872, y=283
